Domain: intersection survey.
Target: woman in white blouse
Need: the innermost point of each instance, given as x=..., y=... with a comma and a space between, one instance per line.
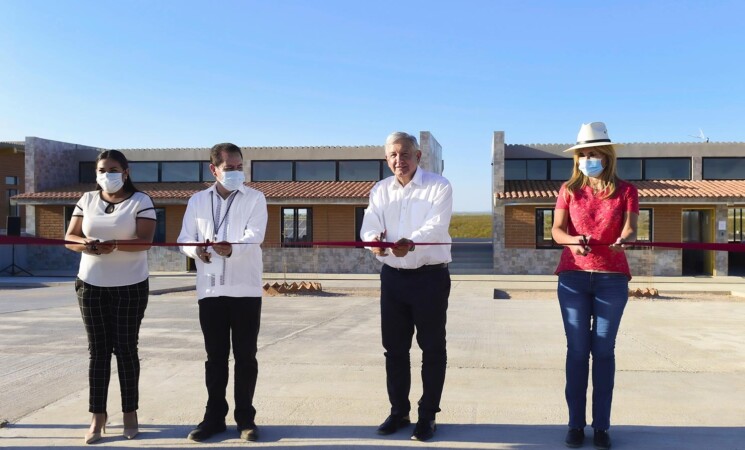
x=113, y=227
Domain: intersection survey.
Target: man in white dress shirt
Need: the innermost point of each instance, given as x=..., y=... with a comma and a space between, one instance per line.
x=412, y=206
x=228, y=287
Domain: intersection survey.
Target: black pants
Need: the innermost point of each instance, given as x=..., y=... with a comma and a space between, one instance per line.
x=222, y=318
x=112, y=318
x=410, y=300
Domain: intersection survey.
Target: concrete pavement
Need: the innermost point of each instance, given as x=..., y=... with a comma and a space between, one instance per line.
x=680, y=382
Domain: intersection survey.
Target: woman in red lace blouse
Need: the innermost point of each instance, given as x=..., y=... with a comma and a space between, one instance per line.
x=596, y=215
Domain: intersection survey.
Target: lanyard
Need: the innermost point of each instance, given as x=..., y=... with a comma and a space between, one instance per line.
x=215, y=222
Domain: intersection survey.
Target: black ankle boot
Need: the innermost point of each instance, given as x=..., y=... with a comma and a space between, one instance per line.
x=601, y=441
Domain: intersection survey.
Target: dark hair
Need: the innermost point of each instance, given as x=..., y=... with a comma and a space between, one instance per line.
x=119, y=157
x=227, y=147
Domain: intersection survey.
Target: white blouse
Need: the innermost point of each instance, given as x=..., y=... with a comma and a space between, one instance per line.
x=117, y=268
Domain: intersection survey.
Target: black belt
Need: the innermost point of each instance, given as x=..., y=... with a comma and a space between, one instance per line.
x=425, y=268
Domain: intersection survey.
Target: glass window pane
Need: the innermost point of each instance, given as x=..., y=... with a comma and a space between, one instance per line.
x=315, y=171
x=359, y=170
x=561, y=169
x=731, y=224
x=12, y=209
x=288, y=224
x=271, y=171
x=143, y=172
x=303, y=225
x=667, y=169
x=11, y=180
x=548, y=222
x=179, y=171
x=206, y=173
x=537, y=169
x=88, y=172
x=629, y=168
x=724, y=169
x=644, y=226
x=515, y=169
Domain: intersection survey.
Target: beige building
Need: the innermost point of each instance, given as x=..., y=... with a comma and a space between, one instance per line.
x=314, y=194
x=688, y=192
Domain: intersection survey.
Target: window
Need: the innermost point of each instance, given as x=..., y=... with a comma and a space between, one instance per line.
x=315, y=171
x=538, y=169
x=143, y=172
x=297, y=226
x=160, y=225
x=544, y=221
x=629, y=168
x=271, y=171
x=722, y=169
x=644, y=226
x=515, y=169
x=561, y=169
x=12, y=181
x=735, y=222
x=179, y=171
x=206, y=172
x=359, y=170
x=12, y=209
x=667, y=169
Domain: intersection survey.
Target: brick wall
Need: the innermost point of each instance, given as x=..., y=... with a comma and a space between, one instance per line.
x=50, y=222
x=519, y=228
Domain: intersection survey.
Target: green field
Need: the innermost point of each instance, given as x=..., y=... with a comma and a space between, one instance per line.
x=470, y=225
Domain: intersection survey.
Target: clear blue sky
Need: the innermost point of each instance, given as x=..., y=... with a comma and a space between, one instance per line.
x=122, y=74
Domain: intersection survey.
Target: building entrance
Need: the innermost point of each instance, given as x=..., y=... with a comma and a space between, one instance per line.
x=698, y=227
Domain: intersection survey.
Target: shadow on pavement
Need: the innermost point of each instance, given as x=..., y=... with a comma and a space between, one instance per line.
x=448, y=436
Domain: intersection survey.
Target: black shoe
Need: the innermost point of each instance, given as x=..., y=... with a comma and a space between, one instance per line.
x=575, y=438
x=250, y=433
x=601, y=441
x=393, y=423
x=424, y=430
x=206, y=430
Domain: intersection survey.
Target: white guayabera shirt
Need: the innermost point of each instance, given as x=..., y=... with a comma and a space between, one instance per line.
x=419, y=211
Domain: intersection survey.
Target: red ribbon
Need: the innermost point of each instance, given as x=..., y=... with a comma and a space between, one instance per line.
x=714, y=246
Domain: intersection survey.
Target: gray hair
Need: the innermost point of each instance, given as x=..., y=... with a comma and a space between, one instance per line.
x=400, y=136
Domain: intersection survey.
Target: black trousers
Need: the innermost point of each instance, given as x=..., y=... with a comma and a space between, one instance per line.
x=408, y=301
x=223, y=318
x=112, y=318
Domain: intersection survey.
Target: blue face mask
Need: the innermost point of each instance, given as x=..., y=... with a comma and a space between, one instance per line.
x=591, y=167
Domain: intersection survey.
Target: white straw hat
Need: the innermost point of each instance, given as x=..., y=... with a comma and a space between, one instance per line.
x=592, y=134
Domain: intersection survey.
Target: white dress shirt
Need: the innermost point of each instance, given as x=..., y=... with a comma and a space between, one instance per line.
x=419, y=211
x=240, y=219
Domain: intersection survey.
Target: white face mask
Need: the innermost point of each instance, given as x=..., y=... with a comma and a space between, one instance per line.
x=110, y=182
x=232, y=180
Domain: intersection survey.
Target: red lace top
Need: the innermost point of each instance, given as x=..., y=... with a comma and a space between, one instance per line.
x=602, y=220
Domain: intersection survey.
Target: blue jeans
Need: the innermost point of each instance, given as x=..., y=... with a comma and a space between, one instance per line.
x=592, y=304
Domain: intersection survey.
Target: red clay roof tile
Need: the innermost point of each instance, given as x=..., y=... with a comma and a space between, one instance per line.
x=673, y=189
x=271, y=189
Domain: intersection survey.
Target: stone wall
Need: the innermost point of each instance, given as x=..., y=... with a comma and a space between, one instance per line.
x=643, y=262
x=320, y=260
x=49, y=165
